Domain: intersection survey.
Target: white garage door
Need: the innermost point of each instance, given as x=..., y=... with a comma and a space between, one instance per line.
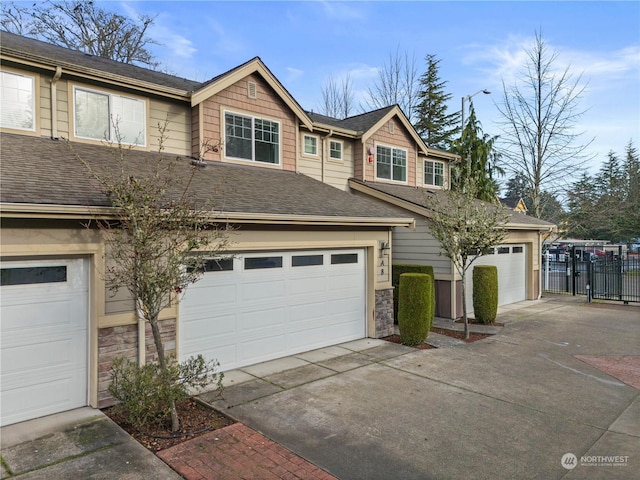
x=44, y=338
x=512, y=271
x=261, y=306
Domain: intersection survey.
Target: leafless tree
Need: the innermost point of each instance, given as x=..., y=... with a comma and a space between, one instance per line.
x=81, y=25
x=398, y=82
x=465, y=228
x=337, y=98
x=539, y=115
x=157, y=233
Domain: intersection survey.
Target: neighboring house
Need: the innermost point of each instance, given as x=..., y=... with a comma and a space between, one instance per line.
x=515, y=204
x=310, y=266
x=321, y=207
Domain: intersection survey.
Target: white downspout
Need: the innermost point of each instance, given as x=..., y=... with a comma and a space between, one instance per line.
x=54, y=103
x=324, y=153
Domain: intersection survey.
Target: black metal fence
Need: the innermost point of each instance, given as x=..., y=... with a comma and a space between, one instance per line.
x=609, y=277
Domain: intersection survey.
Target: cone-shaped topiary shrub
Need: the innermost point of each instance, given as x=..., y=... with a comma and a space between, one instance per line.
x=415, y=307
x=485, y=293
x=398, y=269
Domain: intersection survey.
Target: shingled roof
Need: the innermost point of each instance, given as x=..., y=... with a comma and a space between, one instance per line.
x=417, y=196
x=48, y=172
x=358, y=123
x=55, y=55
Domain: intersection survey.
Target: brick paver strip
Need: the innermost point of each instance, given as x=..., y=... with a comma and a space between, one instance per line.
x=237, y=452
x=625, y=368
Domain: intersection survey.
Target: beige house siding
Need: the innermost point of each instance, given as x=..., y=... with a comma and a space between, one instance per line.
x=266, y=104
x=178, y=133
x=419, y=247
x=336, y=172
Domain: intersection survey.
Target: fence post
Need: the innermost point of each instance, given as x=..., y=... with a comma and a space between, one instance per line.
x=620, y=272
x=574, y=266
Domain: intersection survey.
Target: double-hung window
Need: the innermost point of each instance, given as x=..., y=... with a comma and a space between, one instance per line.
x=433, y=173
x=17, y=101
x=310, y=145
x=335, y=150
x=391, y=163
x=251, y=138
x=111, y=117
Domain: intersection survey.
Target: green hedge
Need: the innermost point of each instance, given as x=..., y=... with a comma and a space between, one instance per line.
x=397, y=270
x=485, y=293
x=414, y=307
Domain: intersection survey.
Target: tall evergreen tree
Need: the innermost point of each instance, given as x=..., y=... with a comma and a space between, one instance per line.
x=436, y=127
x=607, y=205
x=630, y=228
x=479, y=161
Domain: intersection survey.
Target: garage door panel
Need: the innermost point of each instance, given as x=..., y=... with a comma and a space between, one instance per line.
x=511, y=275
x=256, y=290
x=305, y=314
x=35, y=314
x=44, y=341
x=284, y=310
x=254, y=321
x=200, y=329
x=204, y=296
x=305, y=286
x=64, y=352
x=260, y=349
x=39, y=399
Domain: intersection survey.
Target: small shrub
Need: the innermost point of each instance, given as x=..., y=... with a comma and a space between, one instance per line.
x=485, y=293
x=397, y=270
x=415, y=307
x=146, y=392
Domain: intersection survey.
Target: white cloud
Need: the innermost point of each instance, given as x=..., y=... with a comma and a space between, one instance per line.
x=293, y=74
x=343, y=11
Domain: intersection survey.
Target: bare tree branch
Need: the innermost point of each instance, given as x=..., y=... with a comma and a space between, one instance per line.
x=539, y=115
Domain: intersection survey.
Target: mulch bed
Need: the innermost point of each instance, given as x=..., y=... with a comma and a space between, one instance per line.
x=473, y=337
x=196, y=419
x=396, y=339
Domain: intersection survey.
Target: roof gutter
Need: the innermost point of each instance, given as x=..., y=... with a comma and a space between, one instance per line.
x=86, y=72
x=71, y=212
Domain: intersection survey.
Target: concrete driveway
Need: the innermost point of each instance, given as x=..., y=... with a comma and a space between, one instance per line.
x=508, y=407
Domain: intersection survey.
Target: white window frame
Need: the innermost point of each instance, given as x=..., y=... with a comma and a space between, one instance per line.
x=18, y=106
x=338, y=150
x=141, y=138
x=253, y=120
x=392, y=158
x=304, y=145
x=433, y=173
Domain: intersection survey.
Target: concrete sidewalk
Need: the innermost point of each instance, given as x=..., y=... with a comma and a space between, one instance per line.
x=78, y=444
x=512, y=406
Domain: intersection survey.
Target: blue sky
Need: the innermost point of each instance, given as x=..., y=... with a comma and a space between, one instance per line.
x=480, y=44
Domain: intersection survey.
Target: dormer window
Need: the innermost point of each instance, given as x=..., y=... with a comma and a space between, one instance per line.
x=251, y=138
x=391, y=163
x=433, y=173
x=106, y=116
